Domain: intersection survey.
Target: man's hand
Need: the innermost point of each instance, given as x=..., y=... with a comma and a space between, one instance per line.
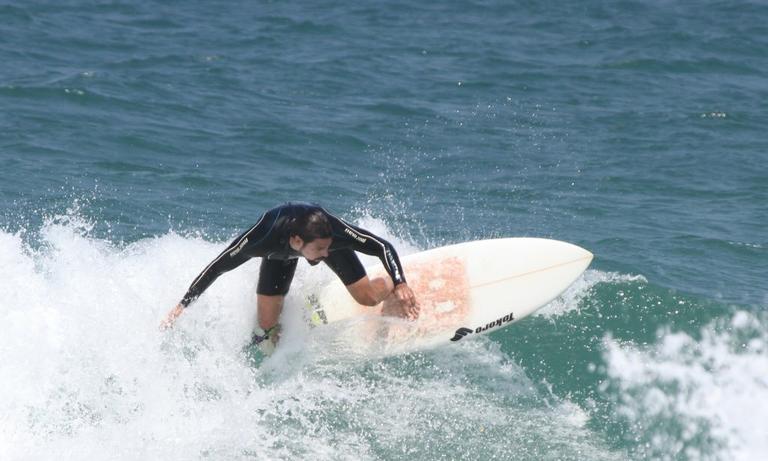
x=407, y=300
x=171, y=317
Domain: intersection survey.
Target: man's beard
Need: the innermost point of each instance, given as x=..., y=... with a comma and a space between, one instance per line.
x=315, y=262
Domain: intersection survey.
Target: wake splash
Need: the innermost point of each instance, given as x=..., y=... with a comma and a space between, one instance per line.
x=86, y=374
x=84, y=362
x=689, y=397
x=571, y=299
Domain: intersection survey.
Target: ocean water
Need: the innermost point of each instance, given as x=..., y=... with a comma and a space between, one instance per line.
x=137, y=138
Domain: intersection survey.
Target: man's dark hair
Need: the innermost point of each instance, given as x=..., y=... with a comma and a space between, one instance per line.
x=312, y=226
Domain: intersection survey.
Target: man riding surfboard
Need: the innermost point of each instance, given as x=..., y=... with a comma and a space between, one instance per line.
x=293, y=230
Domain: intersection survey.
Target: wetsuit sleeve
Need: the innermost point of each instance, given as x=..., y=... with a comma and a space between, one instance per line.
x=368, y=243
x=239, y=251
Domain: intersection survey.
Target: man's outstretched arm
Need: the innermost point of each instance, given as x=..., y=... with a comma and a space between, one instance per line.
x=233, y=256
x=223, y=263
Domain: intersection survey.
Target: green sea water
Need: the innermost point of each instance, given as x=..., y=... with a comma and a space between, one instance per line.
x=138, y=138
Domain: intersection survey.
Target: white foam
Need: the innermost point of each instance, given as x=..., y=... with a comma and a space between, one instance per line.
x=712, y=392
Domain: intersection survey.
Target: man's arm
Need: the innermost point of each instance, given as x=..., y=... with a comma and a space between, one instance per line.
x=368, y=243
x=224, y=262
x=229, y=259
x=233, y=256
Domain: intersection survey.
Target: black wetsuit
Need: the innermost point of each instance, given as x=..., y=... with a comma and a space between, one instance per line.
x=268, y=239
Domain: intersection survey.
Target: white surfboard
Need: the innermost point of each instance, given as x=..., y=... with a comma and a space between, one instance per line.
x=463, y=290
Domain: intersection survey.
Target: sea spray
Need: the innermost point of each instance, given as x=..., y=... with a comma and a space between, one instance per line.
x=700, y=396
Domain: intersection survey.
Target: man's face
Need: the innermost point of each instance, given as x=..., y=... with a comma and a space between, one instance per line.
x=315, y=251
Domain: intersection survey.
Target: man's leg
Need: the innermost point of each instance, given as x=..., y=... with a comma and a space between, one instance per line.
x=275, y=279
x=269, y=309
x=370, y=292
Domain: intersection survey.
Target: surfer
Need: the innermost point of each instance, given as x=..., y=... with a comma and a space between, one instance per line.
x=288, y=232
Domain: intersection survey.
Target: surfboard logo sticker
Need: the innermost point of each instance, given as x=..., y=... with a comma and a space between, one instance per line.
x=316, y=312
x=460, y=333
x=497, y=323
x=464, y=331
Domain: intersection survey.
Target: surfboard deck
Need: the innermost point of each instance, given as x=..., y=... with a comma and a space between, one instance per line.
x=463, y=290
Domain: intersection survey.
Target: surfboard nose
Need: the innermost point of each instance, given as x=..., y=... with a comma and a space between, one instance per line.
x=584, y=254
x=577, y=256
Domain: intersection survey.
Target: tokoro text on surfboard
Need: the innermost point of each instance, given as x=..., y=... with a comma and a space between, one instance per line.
x=464, y=331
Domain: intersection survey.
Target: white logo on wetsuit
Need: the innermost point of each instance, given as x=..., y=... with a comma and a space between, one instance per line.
x=239, y=248
x=390, y=258
x=355, y=236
